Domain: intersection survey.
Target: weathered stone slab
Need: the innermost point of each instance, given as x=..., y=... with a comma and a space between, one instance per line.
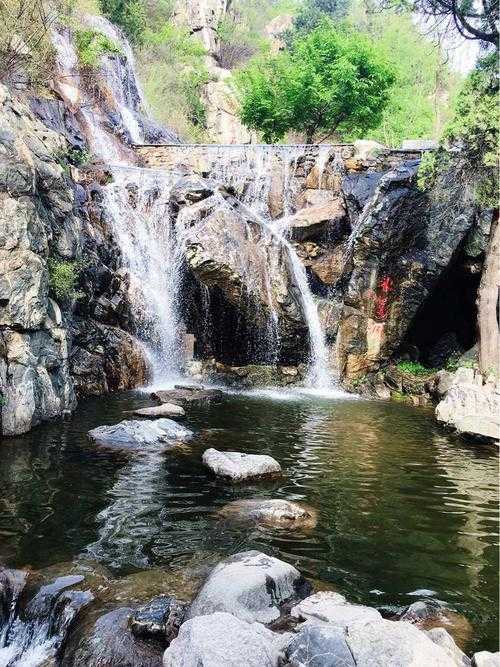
x=136, y=435
x=239, y=467
x=183, y=396
x=164, y=410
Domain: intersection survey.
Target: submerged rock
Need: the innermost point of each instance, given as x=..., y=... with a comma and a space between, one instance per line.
x=319, y=646
x=110, y=642
x=165, y=410
x=238, y=467
x=275, y=513
x=222, y=640
x=394, y=644
x=429, y=614
x=251, y=586
x=135, y=434
x=183, y=396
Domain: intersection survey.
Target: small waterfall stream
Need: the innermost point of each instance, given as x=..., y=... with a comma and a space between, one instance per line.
x=256, y=165
x=137, y=206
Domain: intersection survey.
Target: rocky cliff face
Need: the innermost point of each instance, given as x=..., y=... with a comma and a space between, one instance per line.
x=53, y=347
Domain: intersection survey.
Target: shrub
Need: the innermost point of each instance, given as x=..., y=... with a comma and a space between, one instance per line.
x=414, y=368
x=63, y=278
x=26, y=52
x=91, y=45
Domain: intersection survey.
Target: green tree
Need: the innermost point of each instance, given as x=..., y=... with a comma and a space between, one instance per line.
x=312, y=12
x=331, y=81
x=130, y=15
x=424, y=87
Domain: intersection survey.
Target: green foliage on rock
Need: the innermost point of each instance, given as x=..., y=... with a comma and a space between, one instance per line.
x=63, y=278
x=415, y=368
x=91, y=45
x=467, y=159
x=130, y=15
x=333, y=80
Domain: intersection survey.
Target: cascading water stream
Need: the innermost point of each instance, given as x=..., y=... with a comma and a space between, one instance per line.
x=260, y=162
x=137, y=206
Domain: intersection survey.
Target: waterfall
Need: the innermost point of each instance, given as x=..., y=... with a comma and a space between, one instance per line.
x=32, y=637
x=256, y=167
x=137, y=207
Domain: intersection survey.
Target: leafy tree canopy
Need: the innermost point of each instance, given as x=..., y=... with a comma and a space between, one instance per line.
x=312, y=12
x=332, y=80
x=130, y=15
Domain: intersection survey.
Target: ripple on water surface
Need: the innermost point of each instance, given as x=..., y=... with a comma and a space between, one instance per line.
x=402, y=506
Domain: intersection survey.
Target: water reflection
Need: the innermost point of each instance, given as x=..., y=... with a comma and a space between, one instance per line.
x=402, y=506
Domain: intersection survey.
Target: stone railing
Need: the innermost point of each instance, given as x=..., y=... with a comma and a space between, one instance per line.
x=201, y=158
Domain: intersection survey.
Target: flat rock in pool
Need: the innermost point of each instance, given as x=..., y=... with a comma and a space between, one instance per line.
x=239, y=467
x=251, y=586
x=222, y=640
x=134, y=434
x=332, y=608
x=184, y=396
x=164, y=410
x=276, y=513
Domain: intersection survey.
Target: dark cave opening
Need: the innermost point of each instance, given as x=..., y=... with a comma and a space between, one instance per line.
x=445, y=326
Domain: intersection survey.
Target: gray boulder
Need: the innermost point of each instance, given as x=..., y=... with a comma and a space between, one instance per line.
x=165, y=410
x=222, y=640
x=134, y=434
x=252, y=586
x=238, y=467
x=394, y=644
x=275, y=513
x=486, y=659
x=319, y=646
x=332, y=608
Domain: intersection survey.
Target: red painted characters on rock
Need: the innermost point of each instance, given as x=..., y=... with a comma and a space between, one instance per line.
x=385, y=287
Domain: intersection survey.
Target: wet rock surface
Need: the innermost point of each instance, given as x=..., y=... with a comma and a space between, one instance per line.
x=186, y=396
x=330, y=607
x=238, y=467
x=159, y=619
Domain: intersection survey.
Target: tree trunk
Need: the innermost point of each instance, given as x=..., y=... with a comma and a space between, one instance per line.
x=488, y=304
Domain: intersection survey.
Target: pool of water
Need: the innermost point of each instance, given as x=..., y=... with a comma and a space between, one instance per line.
x=402, y=505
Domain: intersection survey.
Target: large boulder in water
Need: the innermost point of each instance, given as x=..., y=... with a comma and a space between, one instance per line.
x=134, y=434
x=222, y=640
x=251, y=586
x=164, y=410
x=238, y=467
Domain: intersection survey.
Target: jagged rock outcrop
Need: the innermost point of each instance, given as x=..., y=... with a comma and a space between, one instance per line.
x=54, y=344
x=36, y=216
x=472, y=404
